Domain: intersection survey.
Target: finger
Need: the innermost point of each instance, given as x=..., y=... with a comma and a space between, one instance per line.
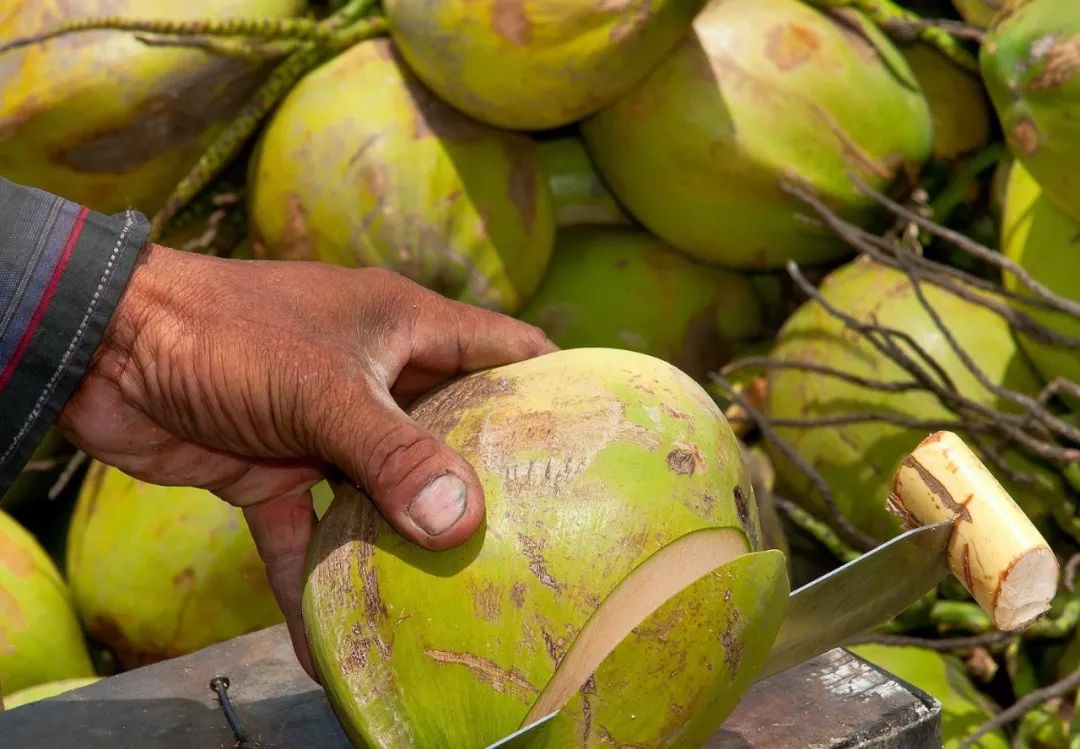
x=425, y=490
x=475, y=338
x=282, y=529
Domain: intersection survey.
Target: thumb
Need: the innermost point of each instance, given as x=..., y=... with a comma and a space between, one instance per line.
x=425, y=490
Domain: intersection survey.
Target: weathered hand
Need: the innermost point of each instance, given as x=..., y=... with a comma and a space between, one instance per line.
x=251, y=378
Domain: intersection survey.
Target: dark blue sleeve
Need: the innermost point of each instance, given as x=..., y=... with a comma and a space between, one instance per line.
x=62, y=271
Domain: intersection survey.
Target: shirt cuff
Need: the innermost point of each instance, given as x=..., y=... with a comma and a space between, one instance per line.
x=63, y=269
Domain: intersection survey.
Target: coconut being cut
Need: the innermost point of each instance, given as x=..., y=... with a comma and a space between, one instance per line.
x=620, y=577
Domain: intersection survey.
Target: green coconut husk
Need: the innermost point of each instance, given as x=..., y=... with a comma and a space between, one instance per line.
x=158, y=572
x=40, y=638
x=105, y=119
x=621, y=287
x=532, y=65
x=1028, y=62
x=418, y=188
x=46, y=691
x=758, y=93
x=579, y=195
x=602, y=470
x=958, y=103
x=1045, y=242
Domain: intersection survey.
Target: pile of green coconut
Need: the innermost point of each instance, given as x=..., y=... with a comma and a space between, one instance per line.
x=779, y=242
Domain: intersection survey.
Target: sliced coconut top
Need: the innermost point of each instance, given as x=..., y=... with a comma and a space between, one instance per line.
x=644, y=590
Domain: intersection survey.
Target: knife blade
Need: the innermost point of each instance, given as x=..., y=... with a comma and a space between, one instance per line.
x=532, y=736
x=859, y=595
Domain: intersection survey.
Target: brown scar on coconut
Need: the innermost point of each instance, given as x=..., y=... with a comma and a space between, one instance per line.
x=994, y=551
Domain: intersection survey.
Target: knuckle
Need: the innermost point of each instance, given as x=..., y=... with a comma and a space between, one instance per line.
x=402, y=452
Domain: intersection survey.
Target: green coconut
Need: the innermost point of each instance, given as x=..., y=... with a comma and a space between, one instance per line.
x=361, y=165
x=578, y=193
x=1046, y=243
x=978, y=12
x=106, y=120
x=40, y=638
x=158, y=572
x=534, y=64
x=859, y=460
x=963, y=708
x=1029, y=61
x=618, y=573
x=762, y=90
x=958, y=103
x=46, y=690
x=623, y=288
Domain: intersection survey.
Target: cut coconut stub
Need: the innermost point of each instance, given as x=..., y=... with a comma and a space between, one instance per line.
x=995, y=550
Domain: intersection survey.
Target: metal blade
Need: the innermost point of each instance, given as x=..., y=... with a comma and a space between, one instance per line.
x=532, y=736
x=860, y=595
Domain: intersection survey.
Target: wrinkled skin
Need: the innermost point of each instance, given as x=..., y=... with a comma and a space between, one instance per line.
x=1029, y=63
x=762, y=90
x=363, y=166
x=591, y=461
x=253, y=379
x=105, y=120
x=536, y=64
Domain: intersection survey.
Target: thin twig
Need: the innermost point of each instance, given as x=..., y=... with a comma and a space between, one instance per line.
x=1015, y=426
x=766, y=362
x=1021, y=706
x=1031, y=405
x=1068, y=575
x=73, y=465
x=852, y=535
x=881, y=417
x=962, y=242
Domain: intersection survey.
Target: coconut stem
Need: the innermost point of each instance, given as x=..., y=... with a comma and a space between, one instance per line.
x=230, y=141
x=908, y=26
x=245, y=50
x=816, y=529
x=994, y=550
x=265, y=28
x=960, y=616
x=966, y=175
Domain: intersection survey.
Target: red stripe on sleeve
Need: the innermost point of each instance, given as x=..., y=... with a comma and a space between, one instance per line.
x=43, y=304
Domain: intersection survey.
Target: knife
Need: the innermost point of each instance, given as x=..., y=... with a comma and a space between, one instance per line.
x=961, y=520
x=867, y=591
x=824, y=613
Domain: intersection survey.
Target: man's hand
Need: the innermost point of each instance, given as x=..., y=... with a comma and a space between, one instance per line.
x=251, y=378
